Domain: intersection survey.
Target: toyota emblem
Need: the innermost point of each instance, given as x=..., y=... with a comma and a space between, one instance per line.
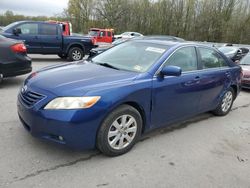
x=24, y=88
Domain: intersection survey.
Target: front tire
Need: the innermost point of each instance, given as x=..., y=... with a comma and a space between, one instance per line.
x=75, y=54
x=226, y=103
x=119, y=131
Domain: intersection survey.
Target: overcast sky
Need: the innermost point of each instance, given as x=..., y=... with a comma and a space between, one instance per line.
x=33, y=7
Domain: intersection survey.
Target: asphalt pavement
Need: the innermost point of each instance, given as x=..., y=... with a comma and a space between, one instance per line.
x=205, y=151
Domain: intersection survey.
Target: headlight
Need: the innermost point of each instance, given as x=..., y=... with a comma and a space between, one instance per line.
x=64, y=103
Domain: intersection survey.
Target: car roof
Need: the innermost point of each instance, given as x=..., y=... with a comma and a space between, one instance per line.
x=167, y=42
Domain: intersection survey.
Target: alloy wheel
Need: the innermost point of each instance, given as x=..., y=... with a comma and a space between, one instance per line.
x=122, y=132
x=227, y=101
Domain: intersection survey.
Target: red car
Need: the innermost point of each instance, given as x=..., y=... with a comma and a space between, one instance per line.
x=245, y=65
x=102, y=35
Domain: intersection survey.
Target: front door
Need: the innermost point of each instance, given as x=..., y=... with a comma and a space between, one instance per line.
x=175, y=98
x=29, y=34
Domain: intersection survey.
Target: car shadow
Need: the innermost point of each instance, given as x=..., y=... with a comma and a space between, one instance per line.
x=245, y=90
x=12, y=82
x=48, y=60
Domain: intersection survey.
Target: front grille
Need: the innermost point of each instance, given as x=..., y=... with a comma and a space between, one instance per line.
x=30, y=98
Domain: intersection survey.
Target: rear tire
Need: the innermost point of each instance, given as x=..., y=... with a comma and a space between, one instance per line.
x=225, y=104
x=75, y=54
x=119, y=131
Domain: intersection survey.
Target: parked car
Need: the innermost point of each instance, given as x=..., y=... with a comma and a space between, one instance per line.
x=128, y=35
x=245, y=65
x=103, y=47
x=13, y=58
x=234, y=53
x=164, y=37
x=134, y=87
x=102, y=35
x=48, y=38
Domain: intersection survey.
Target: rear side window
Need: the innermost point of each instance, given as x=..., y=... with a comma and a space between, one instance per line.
x=109, y=34
x=211, y=59
x=185, y=58
x=29, y=29
x=48, y=29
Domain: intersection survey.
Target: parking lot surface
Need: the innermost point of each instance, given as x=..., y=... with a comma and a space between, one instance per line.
x=205, y=151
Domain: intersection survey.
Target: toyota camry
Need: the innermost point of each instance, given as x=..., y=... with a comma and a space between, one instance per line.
x=110, y=101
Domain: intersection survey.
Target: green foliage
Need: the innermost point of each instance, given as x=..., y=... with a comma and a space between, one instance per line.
x=202, y=20
x=8, y=17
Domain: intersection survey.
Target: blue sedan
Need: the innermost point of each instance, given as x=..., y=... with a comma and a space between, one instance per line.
x=110, y=101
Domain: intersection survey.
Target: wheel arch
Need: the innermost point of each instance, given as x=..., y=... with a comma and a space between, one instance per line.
x=140, y=109
x=235, y=88
x=135, y=105
x=76, y=45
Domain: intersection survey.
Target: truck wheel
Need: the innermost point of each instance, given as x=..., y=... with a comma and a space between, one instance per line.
x=75, y=54
x=62, y=56
x=119, y=131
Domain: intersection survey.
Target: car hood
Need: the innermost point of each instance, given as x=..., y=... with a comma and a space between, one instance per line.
x=246, y=69
x=75, y=79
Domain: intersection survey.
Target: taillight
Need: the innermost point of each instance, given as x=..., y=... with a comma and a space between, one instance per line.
x=93, y=40
x=19, y=48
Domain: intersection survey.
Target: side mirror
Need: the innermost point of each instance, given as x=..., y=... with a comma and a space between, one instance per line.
x=17, y=31
x=171, y=71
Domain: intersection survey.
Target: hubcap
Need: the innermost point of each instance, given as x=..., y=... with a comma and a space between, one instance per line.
x=122, y=132
x=227, y=101
x=76, y=55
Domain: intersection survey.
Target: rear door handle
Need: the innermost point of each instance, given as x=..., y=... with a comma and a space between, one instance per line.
x=228, y=74
x=197, y=78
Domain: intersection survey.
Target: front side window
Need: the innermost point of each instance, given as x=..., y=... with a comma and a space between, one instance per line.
x=185, y=58
x=29, y=29
x=211, y=59
x=48, y=29
x=102, y=34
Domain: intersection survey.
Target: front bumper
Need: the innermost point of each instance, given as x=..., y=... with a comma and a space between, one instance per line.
x=72, y=128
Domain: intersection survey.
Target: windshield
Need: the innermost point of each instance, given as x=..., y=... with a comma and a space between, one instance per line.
x=93, y=33
x=9, y=26
x=132, y=56
x=228, y=50
x=245, y=60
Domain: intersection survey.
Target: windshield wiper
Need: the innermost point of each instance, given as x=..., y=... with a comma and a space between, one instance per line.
x=108, y=65
x=244, y=64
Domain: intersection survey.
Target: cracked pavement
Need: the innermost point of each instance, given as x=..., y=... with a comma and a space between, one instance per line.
x=205, y=151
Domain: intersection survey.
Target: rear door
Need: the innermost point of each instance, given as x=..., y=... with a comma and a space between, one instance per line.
x=51, y=38
x=176, y=98
x=215, y=77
